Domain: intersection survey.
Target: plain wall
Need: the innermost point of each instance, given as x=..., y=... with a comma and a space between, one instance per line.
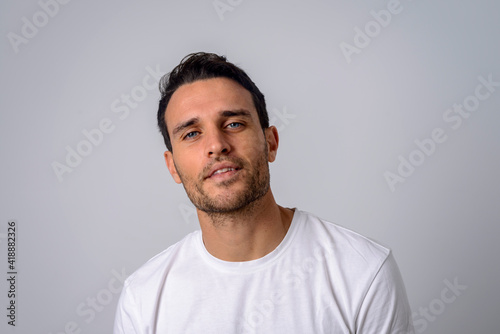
x=356, y=96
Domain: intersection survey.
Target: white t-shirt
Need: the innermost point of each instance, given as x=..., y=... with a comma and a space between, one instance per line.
x=322, y=278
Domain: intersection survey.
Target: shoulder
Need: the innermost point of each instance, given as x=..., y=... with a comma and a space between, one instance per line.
x=348, y=254
x=340, y=239
x=142, y=290
x=154, y=271
x=362, y=270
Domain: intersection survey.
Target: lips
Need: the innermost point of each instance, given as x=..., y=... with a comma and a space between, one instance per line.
x=221, y=168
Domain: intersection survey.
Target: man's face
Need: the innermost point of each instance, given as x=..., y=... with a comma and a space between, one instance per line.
x=219, y=151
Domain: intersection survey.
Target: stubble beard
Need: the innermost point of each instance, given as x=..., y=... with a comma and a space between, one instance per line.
x=241, y=203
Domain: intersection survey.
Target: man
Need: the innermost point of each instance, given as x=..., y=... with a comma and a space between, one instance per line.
x=255, y=267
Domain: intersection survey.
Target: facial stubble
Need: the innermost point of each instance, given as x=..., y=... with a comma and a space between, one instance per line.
x=257, y=184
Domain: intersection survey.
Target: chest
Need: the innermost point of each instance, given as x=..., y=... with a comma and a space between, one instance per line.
x=289, y=297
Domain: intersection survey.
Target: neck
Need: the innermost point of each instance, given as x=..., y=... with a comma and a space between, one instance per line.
x=247, y=234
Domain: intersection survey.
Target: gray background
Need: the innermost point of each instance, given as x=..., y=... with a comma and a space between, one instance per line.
x=343, y=124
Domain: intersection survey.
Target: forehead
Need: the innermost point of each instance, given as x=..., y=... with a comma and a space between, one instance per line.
x=207, y=98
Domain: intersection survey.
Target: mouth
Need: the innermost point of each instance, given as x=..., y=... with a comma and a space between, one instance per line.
x=222, y=171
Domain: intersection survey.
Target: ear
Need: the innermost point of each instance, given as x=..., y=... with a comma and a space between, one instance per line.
x=169, y=160
x=272, y=139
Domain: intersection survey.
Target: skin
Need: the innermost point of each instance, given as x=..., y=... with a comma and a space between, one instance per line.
x=213, y=125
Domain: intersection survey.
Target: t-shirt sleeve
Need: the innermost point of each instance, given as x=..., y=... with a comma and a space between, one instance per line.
x=385, y=308
x=126, y=319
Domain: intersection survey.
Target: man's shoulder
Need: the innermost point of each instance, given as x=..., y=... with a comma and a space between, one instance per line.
x=155, y=269
x=341, y=242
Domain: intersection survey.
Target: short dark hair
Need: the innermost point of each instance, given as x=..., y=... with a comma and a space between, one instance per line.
x=201, y=66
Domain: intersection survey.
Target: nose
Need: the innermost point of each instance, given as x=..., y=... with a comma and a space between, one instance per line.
x=217, y=144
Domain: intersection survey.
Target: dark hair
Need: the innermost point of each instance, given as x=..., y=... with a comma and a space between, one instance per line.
x=201, y=66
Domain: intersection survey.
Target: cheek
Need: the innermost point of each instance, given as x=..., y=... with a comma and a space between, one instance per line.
x=187, y=165
x=256, y=151
x=253, y=143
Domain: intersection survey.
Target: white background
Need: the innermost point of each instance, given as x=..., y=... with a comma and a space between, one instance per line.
x=344, y=122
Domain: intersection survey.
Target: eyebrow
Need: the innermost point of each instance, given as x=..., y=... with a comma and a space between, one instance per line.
x=185, y=124
x=238, y=112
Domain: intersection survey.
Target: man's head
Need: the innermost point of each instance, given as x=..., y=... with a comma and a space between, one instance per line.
x=219, y=143
x=202, y=66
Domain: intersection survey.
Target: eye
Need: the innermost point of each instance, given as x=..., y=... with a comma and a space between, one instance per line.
x=234, y=125
x=191, y=134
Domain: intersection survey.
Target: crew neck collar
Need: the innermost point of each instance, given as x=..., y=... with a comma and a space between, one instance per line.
x=252, y=265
